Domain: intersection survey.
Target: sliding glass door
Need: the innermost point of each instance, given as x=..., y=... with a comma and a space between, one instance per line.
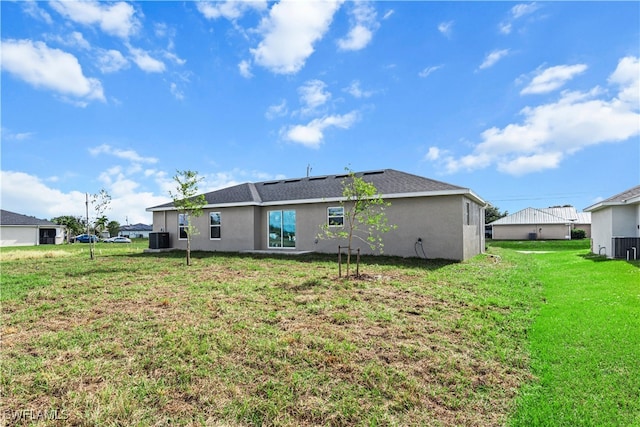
x=282, y=229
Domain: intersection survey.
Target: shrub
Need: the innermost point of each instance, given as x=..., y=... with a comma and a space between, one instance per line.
x=578, y=234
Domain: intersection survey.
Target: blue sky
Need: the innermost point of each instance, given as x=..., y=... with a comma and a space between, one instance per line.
x=528, y=104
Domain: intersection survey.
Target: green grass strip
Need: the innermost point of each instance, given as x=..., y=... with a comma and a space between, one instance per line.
x=585, y=344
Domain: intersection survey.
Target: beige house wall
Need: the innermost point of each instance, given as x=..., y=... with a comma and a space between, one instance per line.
x=440, y=222
x=585, y=227
x=521, y=232
x=237, y=231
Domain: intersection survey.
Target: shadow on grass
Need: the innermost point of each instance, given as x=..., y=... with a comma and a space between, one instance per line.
x=382, y=260
x=600, y=258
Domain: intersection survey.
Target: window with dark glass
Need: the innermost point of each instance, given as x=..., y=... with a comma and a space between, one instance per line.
x=214, y=223
x=182, y=225
x=335, y=216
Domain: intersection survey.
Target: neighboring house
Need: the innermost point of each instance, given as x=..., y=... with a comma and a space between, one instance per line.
x=616, y=225
x=22, y=230
x=541, y=224
x=136, y=230
x=434, y=219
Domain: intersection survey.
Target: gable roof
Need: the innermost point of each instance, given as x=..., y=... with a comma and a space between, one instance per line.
x=627, y=197
x=12, y=218
x=136, y=227
x=530, y=216
x=562, y=215
x=390, y=183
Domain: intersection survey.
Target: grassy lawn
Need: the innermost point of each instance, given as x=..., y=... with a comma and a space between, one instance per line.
x=585, y=341
x=132, y=338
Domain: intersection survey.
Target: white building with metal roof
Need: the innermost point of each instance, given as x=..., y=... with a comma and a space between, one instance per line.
x=541, y=224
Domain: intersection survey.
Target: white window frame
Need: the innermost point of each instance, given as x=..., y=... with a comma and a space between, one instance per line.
x=329, y=216
x=219, y=225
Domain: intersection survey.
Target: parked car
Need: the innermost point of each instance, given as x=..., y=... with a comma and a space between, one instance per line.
x=86, y=238
x=118, y=239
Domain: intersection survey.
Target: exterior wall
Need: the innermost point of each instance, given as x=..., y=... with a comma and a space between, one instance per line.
x=610, y=222
x=473, y=228
x=237, y=231
x=135, y=234
x=26, y=235
x=585, y=227
x=625, y=221
x=437, y=221
x=602, y=226
x=18, y=235
x=521, y=232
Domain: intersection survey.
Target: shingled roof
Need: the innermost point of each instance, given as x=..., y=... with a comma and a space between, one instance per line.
x=12, y=218
x=629, y=196
x=389, y=183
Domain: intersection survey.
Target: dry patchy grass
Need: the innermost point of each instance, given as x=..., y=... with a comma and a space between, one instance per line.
x=241, y=340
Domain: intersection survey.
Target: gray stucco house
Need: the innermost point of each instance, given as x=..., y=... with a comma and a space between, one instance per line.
x=434, y=219
x=615, y=225
x=22, y=230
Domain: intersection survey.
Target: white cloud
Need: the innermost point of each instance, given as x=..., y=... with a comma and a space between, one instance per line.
x=129, y=155
x=626, y=76
x=553, y=78
x=518, y=11
x=527, y=164
x=29, y=195
x=32, y=9
x=492, y=58
x=245, y=69
x=145, y=62
x=548, y=133
x=388, y=14
x=116, y=19
x=7, y=135
x=290, y=31
x=230, y=10
x=54, y=69
x=111, y=61
x=446, y=28
x=277, y=110
x=174, y=58
x=363, y=24
x=312, y=134
x=176, y=91
x=427, y=71
x=433, y=154
x=74, y=39
x=313, y=95
x=356, y=91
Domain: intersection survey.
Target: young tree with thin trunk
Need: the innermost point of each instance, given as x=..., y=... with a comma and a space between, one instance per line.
x=100, y=203
x=188, y=203
x=364, y=216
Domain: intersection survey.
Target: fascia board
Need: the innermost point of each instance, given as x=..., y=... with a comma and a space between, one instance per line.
x=462, y=192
